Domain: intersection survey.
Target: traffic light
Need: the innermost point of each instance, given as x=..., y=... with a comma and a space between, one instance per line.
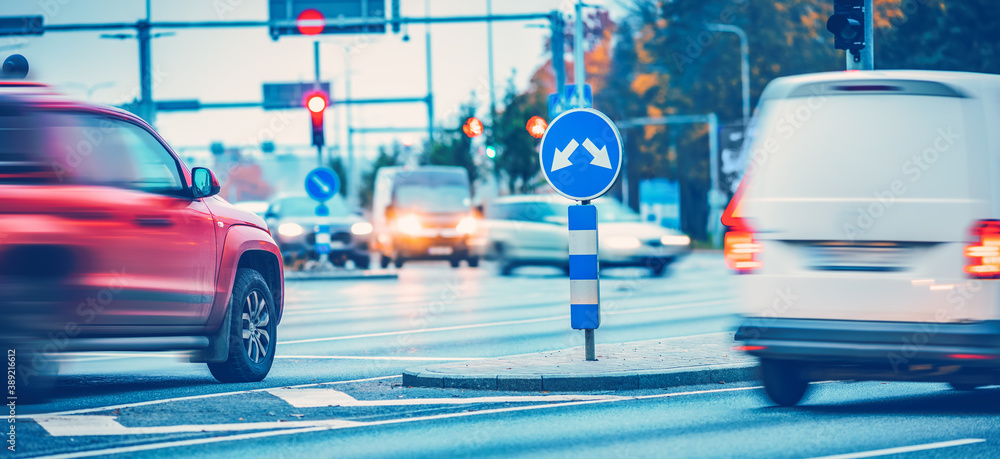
x=491, y=152
x=848, y=25
x=316, y=103
x=473, y=127
x=537, y=126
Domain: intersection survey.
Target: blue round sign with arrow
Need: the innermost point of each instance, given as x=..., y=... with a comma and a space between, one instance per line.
x=322, y=184
x=581, y=154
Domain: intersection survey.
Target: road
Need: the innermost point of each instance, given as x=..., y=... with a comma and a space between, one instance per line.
x=351, y=341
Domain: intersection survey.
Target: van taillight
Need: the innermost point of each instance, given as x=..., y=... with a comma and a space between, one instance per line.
x=983, y=253
x=742, y=251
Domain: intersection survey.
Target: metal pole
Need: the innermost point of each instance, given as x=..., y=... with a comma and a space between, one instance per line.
x=146, y=109
x=744, y=64
x=351, y=192
x=868, y=54
x=588, y=338
x=430, y=77
x=319, y=149
x=579, y=66
x=493, y=93
x=715, y=194
x=558, y=51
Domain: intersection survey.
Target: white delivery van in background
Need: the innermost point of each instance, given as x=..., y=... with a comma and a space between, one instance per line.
x=867, y=230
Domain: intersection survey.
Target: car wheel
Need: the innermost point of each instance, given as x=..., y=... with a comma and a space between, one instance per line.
x=659, y=270
x=473, y=262
x=504, y=264
x=384, y=261
x=963, y=386
x=398, y=261
x=363, y=262
x=455, y=262
x=783, y=381
x=253, y=331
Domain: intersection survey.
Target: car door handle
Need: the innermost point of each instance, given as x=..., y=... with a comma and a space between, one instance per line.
x=154, y=221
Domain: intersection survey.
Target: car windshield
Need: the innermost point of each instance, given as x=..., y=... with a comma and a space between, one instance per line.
x=433, y=199
x=609, y=211
x=305, y=207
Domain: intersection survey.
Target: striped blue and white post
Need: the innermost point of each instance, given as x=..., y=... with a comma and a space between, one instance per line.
x=584, y=283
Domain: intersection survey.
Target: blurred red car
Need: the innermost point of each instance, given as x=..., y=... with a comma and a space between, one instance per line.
x=109, y=242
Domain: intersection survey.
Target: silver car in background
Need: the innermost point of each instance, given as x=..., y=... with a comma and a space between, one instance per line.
x=531, y=230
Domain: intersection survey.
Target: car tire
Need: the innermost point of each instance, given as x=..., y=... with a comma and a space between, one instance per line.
x=384, y=261
x=473, y=262
x=504, y=264
x=455, y=262
x=363, y=262
x=253, y=333
x=963, y=386
x=398, y=262
x=659, y=270
x=783, y=381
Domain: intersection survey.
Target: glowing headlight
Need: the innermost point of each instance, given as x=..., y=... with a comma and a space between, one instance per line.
x=675, y=240
x=409, y=224
x=467, y=225
x=290, y=229
x=361, y=228
x=621, y=242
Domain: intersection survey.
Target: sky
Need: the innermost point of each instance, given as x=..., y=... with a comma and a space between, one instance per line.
x=230, y=65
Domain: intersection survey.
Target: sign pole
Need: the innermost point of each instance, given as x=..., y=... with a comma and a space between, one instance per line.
x=584, y=277
x=581, y=157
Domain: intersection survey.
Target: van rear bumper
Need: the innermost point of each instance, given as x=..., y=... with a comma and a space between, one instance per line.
x=896, y=345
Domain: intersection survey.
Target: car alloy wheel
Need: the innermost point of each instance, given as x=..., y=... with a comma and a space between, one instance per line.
x=256, y=339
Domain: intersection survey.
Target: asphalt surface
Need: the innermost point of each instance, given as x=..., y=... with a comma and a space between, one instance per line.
x=344, y=345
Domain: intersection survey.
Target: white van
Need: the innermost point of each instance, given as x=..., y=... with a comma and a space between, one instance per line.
x=867, y=230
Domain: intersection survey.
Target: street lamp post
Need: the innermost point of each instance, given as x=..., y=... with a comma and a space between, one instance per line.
x=745, y=64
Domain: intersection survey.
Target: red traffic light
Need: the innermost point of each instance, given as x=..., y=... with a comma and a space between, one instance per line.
x=473, y=127
x=310, y=22
x=316, y=103
x=537, y=126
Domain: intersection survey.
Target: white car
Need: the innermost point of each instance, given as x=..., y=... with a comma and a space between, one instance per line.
x=531, y=230
x=867, y=230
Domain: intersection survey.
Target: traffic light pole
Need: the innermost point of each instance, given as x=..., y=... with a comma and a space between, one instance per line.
x=867, y=61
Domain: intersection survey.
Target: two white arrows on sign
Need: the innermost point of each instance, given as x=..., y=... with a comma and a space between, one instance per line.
x=561, y=158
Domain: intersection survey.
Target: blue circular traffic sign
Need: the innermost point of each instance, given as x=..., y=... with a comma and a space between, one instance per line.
x=581, y=154
x=322, y=184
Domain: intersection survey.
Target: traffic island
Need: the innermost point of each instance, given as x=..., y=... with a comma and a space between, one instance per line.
x=663, y=363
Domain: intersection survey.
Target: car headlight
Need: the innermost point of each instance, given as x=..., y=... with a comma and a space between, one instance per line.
x=409, y=224
x=468, y=225
x=622, y=242
x=675, y=240
x=290, y=229
x=361, y=228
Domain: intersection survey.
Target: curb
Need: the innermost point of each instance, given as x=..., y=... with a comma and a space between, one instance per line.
x=363, y=275
x=660, y=379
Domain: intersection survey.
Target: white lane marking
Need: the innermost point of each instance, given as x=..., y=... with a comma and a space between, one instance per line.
x=363, y=357
x=192, y=397
x=276, y=433
x=73, y=426
x=504, y=323
x=429, y=330
x=314, y=398
x=905, y=449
